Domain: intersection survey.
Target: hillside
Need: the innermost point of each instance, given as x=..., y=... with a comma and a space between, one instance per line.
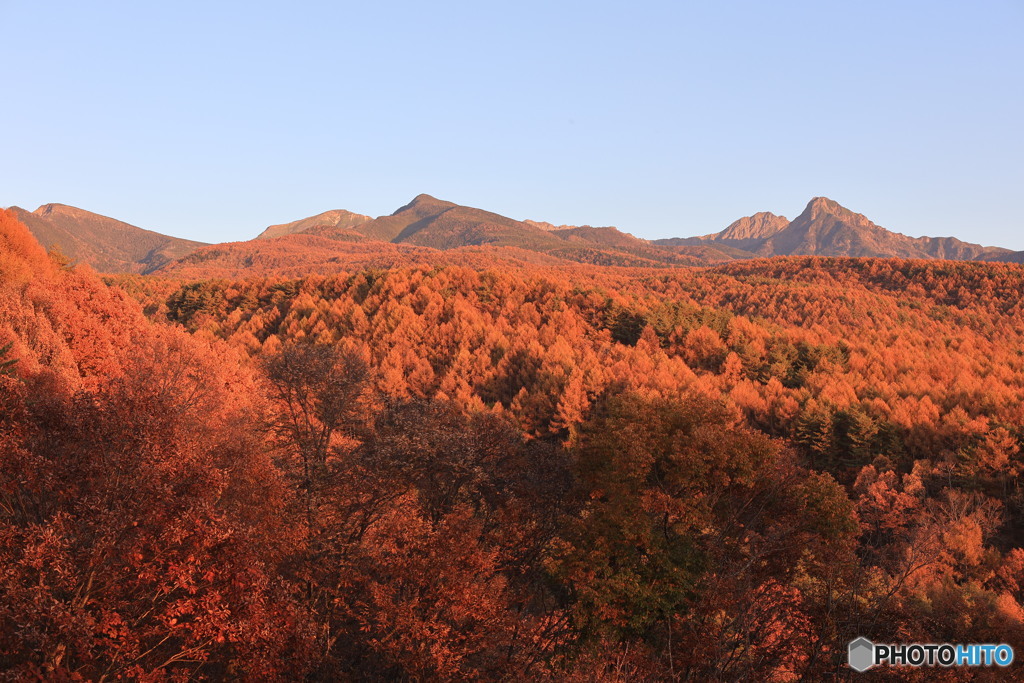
x=106, y=244
x=304, y=254
x=1012, y=257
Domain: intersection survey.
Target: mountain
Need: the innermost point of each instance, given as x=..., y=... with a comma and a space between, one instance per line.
x=428, y=230
x=424, y=228
x=335, y=220
x=430, y=222
x=736, y=241
x=828, y=229
x=106, y=244
x=751, y=230
x=1012, y=257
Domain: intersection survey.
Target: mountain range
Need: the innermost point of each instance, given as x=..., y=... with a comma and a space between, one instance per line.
x=827, y=229
x=337, y=239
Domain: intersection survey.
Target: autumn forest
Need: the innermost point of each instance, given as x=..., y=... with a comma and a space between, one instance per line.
x=497, y=464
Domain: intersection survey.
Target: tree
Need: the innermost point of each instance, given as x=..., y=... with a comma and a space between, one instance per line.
x=6, y=362
x=130, y=545
x=321, y=394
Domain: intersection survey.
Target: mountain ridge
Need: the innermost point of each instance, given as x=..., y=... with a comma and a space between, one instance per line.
x=827, y=228
x=320, y=241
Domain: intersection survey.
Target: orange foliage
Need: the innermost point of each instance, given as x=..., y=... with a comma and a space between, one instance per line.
x=500, y=465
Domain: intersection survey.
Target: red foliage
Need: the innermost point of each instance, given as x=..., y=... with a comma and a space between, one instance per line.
x=456, y=471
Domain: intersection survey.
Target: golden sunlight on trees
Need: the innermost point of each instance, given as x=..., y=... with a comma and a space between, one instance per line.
x=470, y=472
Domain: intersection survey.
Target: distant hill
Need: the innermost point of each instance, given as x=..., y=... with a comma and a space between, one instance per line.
x=1012, y=257
x=430, y=222
x=106, y=244
x=335, y=220
x=431, y=230
x=826, y=228
x=433, y=225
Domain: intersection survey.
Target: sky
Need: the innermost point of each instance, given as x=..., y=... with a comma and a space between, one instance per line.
x=212, y=120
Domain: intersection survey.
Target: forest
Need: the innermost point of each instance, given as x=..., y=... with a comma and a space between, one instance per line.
x=502, y=471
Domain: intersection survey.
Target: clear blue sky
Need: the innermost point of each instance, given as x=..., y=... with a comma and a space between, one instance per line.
x=212, y=120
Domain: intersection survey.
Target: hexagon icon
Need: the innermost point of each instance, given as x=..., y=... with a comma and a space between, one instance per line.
x=862, y=654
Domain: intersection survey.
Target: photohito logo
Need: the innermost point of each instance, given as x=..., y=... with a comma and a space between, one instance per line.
x=863, y=654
